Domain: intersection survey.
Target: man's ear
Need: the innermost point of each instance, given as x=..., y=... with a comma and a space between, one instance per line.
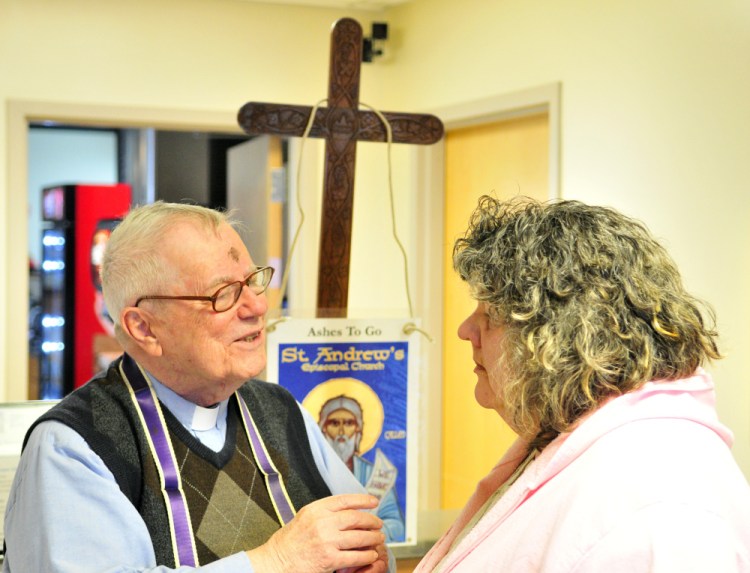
x=137, y=325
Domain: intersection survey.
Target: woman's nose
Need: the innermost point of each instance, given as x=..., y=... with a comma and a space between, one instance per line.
x=468, y=330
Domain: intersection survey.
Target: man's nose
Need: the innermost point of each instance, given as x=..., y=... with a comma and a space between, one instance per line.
x=251, y=304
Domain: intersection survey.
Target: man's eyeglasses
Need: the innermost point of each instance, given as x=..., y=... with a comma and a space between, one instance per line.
x=228, y=295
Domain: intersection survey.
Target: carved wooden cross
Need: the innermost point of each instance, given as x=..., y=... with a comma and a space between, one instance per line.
x=341, y=124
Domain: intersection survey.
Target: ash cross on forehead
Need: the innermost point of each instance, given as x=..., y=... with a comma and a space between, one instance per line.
x=341, y=125
x=234, y=254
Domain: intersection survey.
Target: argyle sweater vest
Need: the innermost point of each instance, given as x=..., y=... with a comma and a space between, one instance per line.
x=229, y=505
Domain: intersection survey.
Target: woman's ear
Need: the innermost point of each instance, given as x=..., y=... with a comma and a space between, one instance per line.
x=137, y=326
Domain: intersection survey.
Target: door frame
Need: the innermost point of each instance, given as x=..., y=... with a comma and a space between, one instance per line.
x=20, y=113
x=428, y=268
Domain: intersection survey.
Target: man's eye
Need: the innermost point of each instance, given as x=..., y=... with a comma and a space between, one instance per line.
x=225, y=294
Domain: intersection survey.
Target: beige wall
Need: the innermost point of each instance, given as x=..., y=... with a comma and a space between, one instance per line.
x=655, y=121
x=168, y=63
x=655, y=118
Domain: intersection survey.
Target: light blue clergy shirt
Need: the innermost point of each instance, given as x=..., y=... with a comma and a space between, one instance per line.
x=66, y=513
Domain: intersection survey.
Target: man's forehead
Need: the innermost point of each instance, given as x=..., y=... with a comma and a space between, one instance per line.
x=205, y=265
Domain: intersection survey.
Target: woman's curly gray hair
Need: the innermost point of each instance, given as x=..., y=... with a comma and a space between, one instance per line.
x=592, y=304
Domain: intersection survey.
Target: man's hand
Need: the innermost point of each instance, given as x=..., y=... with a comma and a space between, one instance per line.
x=379, y=566
x=325, y=536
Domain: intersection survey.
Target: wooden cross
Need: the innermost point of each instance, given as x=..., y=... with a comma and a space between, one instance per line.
x=341, y=124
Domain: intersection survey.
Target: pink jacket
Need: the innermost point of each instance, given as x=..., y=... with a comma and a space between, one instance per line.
x=645, y=483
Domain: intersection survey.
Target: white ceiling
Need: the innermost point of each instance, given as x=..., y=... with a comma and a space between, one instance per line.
x=346, y=4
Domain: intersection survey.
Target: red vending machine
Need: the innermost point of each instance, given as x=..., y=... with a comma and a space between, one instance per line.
x=77, y=334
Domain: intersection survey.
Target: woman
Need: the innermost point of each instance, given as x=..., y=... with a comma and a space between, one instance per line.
x=587, y=344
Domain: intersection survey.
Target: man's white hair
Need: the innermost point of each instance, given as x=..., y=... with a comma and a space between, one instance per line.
x=134, y=264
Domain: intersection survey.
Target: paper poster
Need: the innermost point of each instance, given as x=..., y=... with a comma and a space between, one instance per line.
x=354, y=378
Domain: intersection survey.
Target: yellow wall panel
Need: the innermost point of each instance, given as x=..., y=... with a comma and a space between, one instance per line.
x=504, y=159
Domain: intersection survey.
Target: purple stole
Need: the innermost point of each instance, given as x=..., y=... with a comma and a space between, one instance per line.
x=154, y=426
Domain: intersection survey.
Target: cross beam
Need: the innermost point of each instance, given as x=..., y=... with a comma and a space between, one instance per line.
x=341, y=124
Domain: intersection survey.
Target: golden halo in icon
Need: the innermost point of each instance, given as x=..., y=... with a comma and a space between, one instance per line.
x=372, y=407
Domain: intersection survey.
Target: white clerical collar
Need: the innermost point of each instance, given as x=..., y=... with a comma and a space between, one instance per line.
x=205, y=418
x=190, y=415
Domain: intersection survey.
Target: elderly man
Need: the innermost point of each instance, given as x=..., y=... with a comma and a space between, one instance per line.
x=342, y=423
x=175, y=458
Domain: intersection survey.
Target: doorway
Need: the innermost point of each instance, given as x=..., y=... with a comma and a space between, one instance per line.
x=429, y=287
x=21, y=115
x=502, y=158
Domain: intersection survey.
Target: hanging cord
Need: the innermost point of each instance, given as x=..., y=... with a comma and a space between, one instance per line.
x=285, y=278
x=410, y=327
x=305, y=134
